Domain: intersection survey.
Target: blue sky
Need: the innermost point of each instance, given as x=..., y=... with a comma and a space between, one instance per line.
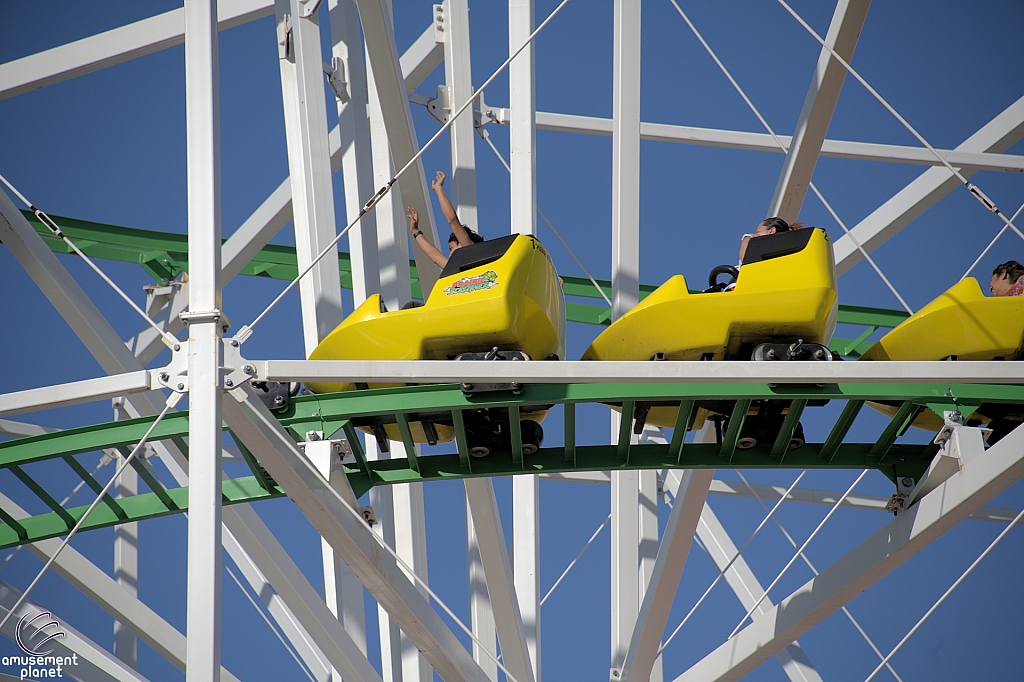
x=110, y=147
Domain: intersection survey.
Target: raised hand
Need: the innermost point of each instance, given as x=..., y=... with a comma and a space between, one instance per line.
x=438, y=182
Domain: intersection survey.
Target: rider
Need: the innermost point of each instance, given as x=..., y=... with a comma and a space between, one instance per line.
x=460, y=236
x=1007, y=279
x=766, y=227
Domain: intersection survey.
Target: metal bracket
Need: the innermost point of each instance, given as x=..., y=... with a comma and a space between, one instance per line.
x=175, y=374
x=335, y=72
x=308, y=8
x=235, y=369
x=439, y=23
x=440, y=107
x=157, y=295
x=284, y=39
x=188, y=317
x=340, y=450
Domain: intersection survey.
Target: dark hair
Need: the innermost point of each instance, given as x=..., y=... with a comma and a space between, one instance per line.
x=778, y=223
x=1011, y=269
x=473, y=237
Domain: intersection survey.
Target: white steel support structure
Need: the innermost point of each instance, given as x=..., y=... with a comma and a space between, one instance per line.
x=822, y=96
x=202, y=114
x=389, y=86
x=526, y=561
x=309, y=160
x=356, y=159
x=626, y=584
x=481, y=614
x=748, y=590
x=522, y=97
x=411, y=545
x=978, y=481
x=126, y=559
x=458, y=74
x=382, y=501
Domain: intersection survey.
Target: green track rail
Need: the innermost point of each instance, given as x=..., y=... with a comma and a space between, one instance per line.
x=333, y=413
x=164, y=255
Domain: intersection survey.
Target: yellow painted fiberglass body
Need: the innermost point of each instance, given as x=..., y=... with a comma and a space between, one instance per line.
x=499, y=293
x=786, y=290
x=962, y=323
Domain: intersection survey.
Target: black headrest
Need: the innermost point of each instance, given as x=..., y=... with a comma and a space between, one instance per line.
x=475, y=255
x=778, y=244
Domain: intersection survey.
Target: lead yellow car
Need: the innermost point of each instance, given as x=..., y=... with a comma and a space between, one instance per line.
x=784, y=296
x=961, y=324
x=496, y=300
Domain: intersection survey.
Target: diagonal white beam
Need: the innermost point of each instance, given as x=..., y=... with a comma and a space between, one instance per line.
x=303, y=600
x=926, y=191
x=348, y=535
x=115, y=46
x=95, y=584
x=391, y=92
x=75, y=392
x=965, y=492
x=90, y=662
x=816, y=114
x=763, y=142
x=748, y=590
x=668, y=570
x=494, y=555
x=422, y=57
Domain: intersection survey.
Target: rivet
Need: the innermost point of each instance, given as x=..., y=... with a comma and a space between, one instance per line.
x=229, y=383
x=181, y=387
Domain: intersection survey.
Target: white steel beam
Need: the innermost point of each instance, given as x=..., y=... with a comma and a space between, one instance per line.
x=481, y=614
x=75, y=392
x=115, y=46
x=202, y=125
x=356, y=159
x=126, y=558
x=89, y=661
x=625, y=561
x=422, y=57
x=522, y=97
x=494, y=556
x=819, y=104
x=163, y=304
x=305, y=117
x=748, y=590
x=977, y=482
x=382, y=501
x=349, y=535
x=526, y=563
x=763, y=142
x=95, y=584
x=390, y=87
x=411, y=545
x=449, y=371
x=668, y=571
x=924, y=192
x=625, y=157
x=459, y=77
x=278, y=568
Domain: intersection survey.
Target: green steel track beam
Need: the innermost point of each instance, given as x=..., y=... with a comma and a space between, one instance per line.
x=339, y=412
x=164, y=255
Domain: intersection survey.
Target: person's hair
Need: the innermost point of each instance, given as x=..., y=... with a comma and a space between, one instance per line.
x=473, y=237
x=1011, y=269
x=778, y=223
x=796, y=226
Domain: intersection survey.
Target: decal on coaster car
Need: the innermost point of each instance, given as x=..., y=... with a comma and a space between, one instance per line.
x=476, y=283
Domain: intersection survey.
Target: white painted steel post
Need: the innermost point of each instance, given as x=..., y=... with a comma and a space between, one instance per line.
x=411, y=545
x=648, y=539
x=625, y=488
x=522, y=97
x=356, y=159
x=480, y=613
x=126, y=556
x=309, y=162
x=202, y=118
x=526, y=560
x=392, y=235
x=382, y=503
x=458, y=74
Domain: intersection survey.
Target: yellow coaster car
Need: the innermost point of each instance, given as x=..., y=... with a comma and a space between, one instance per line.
x=496, y=300
x=961, y=324
x=785, y=292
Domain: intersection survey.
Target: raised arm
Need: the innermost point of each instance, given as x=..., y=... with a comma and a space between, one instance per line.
x=449, y=211
x=421, y=241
